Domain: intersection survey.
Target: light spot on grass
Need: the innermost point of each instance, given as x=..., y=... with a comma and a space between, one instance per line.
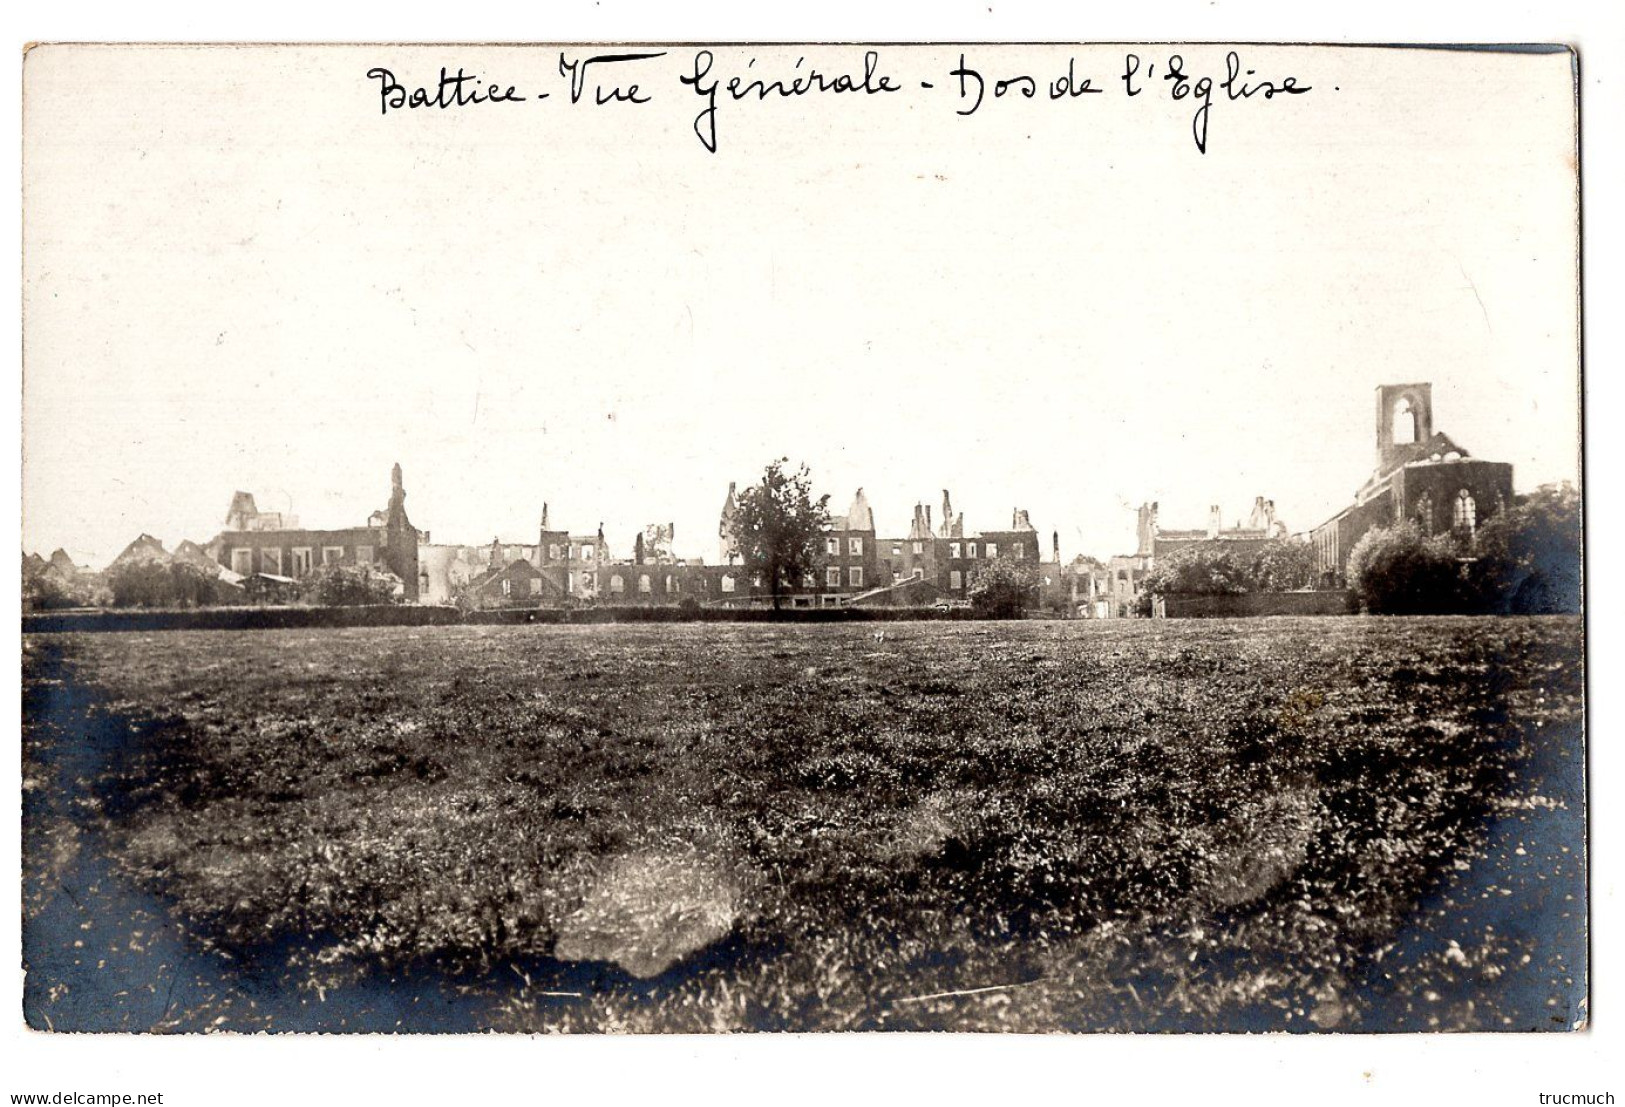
x=1263, y=847
x=647, y=911
x=1329, y=1010
x=921, y=832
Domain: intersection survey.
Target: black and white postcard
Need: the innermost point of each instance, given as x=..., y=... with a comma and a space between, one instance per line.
x=705, y=538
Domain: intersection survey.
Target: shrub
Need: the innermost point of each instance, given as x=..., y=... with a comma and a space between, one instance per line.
x=161, y=584
x=1399, y=571
x=1530, y=557
x=353, y=585
x=1283, y=565
x=193, y=586
x=1004, y=588
x=45, y=593
x=1207, y=569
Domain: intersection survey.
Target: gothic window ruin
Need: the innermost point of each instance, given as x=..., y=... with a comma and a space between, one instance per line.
x=1424, y=513
x=1466, y=515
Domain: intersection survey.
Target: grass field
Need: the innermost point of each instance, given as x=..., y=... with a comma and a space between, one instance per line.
x=1353, y=824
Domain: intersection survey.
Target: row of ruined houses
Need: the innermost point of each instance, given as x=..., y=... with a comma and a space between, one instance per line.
x=936, y=562
x=930, y=565
x=1421, y=476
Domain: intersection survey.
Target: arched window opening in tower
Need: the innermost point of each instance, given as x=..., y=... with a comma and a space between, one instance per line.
x=1404, y=422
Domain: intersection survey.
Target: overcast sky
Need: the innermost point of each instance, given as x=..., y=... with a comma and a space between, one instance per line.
x=240, y=275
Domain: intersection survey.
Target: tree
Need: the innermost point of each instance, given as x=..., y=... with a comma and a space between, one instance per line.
x=1400, y=571
x=780, y=528
x=1004, y=588
x=1530, y=557
x=1283, y=565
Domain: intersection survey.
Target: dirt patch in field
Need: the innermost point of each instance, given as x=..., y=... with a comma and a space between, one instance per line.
x=646, y=911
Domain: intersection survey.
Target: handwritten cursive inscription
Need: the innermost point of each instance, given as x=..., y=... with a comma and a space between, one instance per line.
x=800, y=83
x=457, y=91
x=607, y=79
